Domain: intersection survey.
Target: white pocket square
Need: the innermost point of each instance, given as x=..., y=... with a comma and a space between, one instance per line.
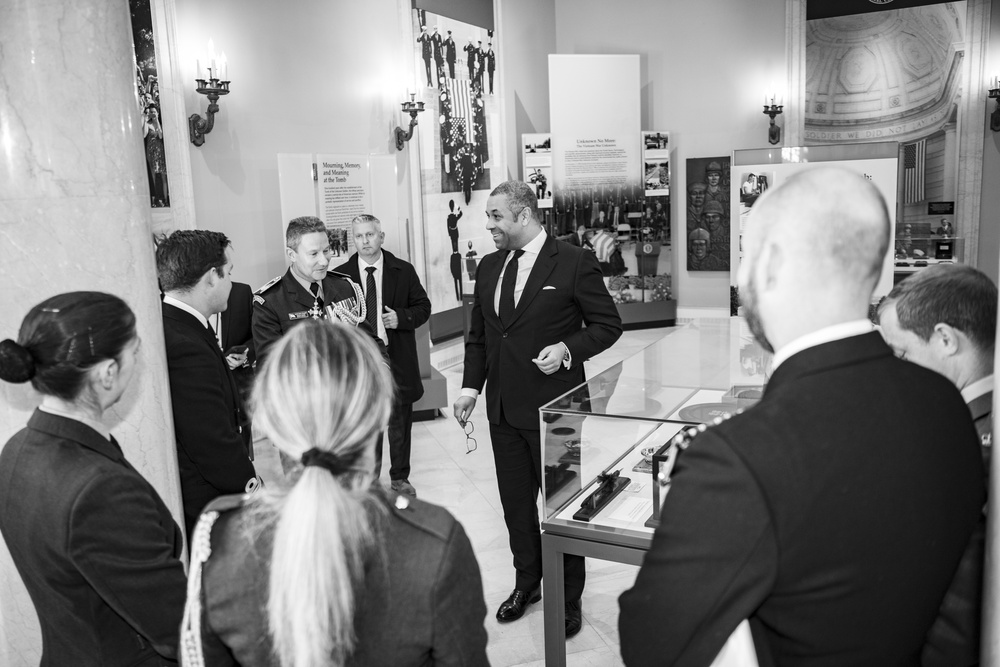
x=548, y=287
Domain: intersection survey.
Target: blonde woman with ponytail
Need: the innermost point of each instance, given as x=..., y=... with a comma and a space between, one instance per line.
x=330, y=570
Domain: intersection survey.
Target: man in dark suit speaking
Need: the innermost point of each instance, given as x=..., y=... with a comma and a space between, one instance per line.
x=396, y=304
x=527, y=345
x=834, y=512
x=195, y=271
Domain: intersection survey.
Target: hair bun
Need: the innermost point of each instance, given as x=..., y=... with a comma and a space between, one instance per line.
x=16, y=363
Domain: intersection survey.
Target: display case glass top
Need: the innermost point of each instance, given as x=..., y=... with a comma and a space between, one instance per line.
x=623, y=419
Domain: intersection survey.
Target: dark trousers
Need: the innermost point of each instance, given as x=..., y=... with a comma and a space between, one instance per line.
x=427, y=66
x=400, y=425
x=518, y=457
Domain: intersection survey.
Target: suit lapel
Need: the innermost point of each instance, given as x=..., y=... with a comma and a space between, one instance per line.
x=981, y=406
x=490, y=281
x=540, y=271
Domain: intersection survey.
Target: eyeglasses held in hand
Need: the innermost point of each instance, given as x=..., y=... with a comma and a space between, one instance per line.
x=470, y=442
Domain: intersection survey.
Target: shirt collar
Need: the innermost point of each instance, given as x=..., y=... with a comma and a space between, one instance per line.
x=378, y=263
x=306, y=283
x=976, y=389
x=820, y=336
x=534, y=246
x=176, y=303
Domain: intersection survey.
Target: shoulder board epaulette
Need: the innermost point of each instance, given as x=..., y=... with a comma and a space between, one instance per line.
x=268, y=285
x=424, y=517
x=338, y=274
x=257, y=298
x=225, y=503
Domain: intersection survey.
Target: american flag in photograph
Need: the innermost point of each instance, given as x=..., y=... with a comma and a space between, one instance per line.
x=913, y=171
x=461, y=103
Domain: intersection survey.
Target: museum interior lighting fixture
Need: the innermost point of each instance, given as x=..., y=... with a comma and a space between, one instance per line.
x=413, y=108
x=773, y=107
x=214, y=87
x=995, y=95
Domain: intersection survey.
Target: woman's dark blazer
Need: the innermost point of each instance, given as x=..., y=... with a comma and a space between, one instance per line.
x=95, y=545
x=421, y=602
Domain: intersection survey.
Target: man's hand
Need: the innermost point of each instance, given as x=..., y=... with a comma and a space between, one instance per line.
x=463, y=409
x=390, y=320
x=236, y=360
x=550, y=358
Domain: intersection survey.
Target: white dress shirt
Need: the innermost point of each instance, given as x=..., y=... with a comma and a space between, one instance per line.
x=186, y=308
x=524, y=265
x=820, y=336
x=379, y=264
x=974, y=390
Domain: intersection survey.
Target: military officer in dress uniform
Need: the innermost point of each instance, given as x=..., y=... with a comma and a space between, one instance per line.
x=471, y=57
x=307, y=290
x=491, y=64
x=450, y=55
x=426, y=51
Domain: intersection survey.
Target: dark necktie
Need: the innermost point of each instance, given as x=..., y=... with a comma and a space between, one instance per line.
x=316, y=312
x=371, y=301
x=507, y=288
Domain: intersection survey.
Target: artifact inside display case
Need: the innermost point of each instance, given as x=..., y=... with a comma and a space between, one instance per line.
x=637, y=416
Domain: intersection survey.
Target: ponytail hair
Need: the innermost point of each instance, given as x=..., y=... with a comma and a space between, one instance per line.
x=324, y=395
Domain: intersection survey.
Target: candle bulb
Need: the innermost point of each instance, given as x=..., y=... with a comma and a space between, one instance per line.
x=197, y=69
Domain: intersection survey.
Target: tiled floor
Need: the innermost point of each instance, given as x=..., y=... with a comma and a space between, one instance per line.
x=466, y=485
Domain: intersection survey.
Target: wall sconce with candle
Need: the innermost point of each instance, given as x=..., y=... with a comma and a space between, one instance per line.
x=773, y=107
x=215, y=86
x=995, y=95
x=411, y=107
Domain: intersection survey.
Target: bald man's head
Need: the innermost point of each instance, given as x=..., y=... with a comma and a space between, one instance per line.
x=819, y=240
x=832, y=219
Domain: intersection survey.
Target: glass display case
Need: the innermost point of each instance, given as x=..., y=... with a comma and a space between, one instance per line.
x=608, y=445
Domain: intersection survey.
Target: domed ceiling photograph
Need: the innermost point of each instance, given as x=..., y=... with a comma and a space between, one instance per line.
x=892, y=75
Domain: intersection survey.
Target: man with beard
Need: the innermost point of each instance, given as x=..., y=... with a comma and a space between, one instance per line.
x=833, y=513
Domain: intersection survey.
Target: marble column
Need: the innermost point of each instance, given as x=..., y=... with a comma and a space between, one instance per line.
x=75, y=215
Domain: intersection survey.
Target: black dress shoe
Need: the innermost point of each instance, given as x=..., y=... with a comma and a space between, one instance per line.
x=513, y=607
x=574, y=618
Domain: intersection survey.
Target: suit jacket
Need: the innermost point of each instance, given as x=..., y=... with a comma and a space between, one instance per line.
x=401, y=291
x=564, y=290
x=94, y=544
x=953, y=640
x=211, y=455
x=284, y=302
x=236, y=330
x=421, y=601
x=832, y=514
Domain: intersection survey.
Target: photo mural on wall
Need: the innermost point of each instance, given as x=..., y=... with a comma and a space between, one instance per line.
x=148, y=92
x=708, y=214
x=456, y=74
x=881, y=73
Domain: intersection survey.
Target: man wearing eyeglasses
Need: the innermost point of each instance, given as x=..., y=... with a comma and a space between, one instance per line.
x=527, y=344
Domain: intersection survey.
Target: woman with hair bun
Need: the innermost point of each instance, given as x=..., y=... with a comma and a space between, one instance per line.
x=332, y=570
x=95, y=545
